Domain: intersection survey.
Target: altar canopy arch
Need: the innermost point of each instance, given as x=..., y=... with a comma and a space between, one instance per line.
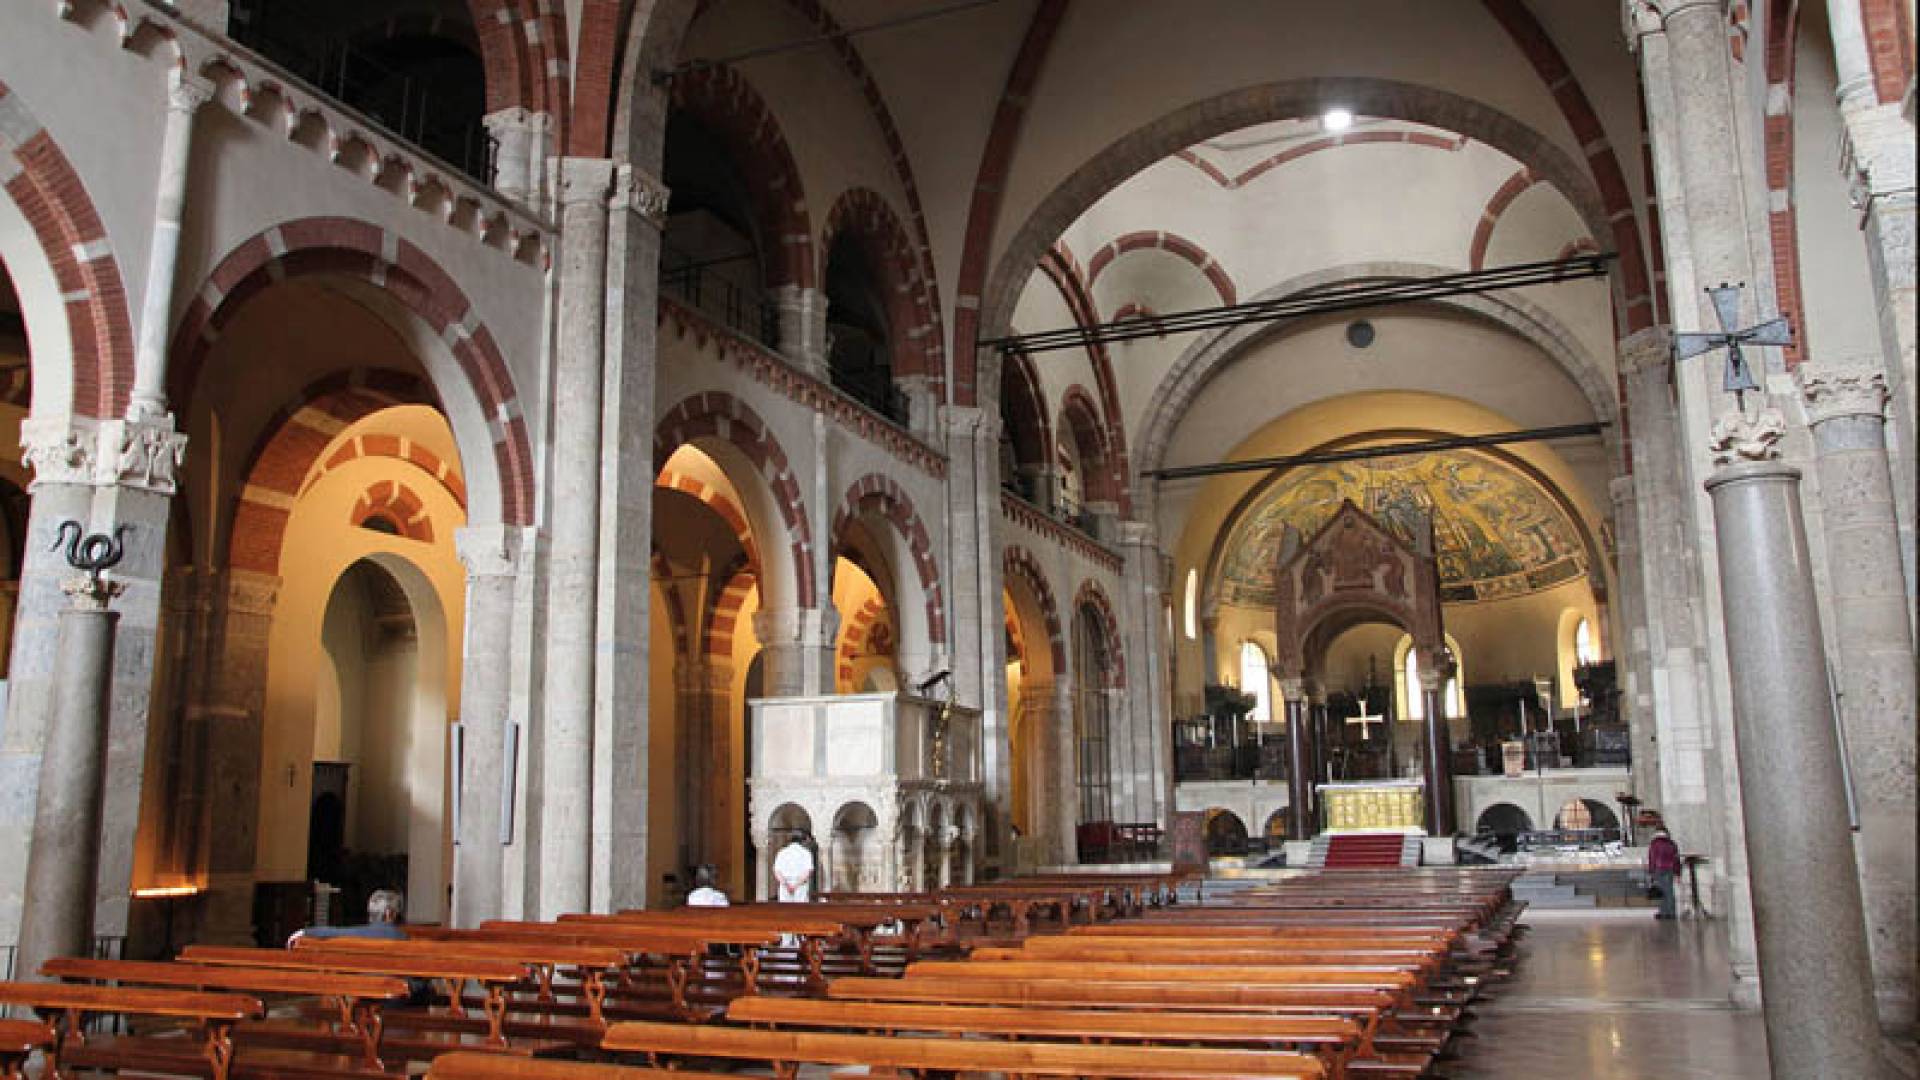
x=1353, y=570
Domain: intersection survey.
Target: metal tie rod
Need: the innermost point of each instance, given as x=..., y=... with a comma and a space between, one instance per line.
x=1423, y=446
x=1345, y=297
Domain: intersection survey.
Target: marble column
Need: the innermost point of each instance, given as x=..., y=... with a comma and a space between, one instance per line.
x=796, y=650
x=563, y=796
x=622, y=724
x=185, y=95
x=1300, y=817
x=1846, y=411
x=63, y=865
x=1816, y=986
x=803, y=329
x=1436, y=745
x=491, y=554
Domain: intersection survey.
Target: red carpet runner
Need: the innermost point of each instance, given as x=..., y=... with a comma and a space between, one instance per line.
x=1364, y=850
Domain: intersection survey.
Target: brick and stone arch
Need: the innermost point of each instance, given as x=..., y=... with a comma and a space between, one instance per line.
x=854, y=639
x=391, y=506
x=730, y=432
x=723, y=102
x=862, y=216
x=1023, y=411
x=1889, y=46
x=95, y=376
x=361, y=251
x=877, y=497
x=717, y=501
x=1091, y=598
x=1061, y=268
x=1171, y=243
x=724, y=619
x=1081, y=420
x=1313, y=146
x=289, y=450
x=446, y=473
x=1592, y=185
x=523, y=47
x=1019, y=566
x=676, y=609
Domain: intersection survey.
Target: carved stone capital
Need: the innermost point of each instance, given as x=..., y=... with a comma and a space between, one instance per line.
x=1293, y=689
x=1620, y=490
x=90, y=593
x=1646, y=351
x=637, y=191
x=1834, y=392
x=1738, y=437
x=59, y=449
x=796, y=626
x=489, y=550
x=144, y=454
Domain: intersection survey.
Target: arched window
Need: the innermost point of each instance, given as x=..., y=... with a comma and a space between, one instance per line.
x=1412, y=702
x=1192, y=608
x=859, y=333
x=1256, y=678
x=1584, y=652
x=712, y=255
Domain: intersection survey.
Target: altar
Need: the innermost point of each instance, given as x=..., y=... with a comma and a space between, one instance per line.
x=1374, y=806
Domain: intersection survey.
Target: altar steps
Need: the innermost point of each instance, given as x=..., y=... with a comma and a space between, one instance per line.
x=1364, y=851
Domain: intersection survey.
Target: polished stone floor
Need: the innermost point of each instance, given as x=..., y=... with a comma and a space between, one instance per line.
x=1612, y=995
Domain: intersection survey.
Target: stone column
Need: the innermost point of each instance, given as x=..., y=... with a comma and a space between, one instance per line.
x=1066, y=754
x=63, y=865
x=105, y=474
x=1436, y=746
x=491, y=554
x=796, y=649
x=563, y=796
x=971, y=570
x=803, y=329
x=185, y=95
x=1816, y=987
x=1142, y=614
x=1631, y=642
x=621, y=722
x=1845, y=408
x=1300, y=819
x=226, y=703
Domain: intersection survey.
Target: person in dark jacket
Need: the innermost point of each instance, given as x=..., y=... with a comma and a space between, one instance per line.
x=1663, y=868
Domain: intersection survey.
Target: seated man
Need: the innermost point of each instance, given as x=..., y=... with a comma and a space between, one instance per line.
x=384, y=910
x=704, y=894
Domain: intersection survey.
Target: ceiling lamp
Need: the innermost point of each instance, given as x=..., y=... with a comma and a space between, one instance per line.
x=1336, y=120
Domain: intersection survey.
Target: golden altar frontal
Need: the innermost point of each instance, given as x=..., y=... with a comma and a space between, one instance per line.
x=1375, y=806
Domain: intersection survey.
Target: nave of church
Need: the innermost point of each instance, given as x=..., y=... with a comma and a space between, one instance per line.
x=542, y=456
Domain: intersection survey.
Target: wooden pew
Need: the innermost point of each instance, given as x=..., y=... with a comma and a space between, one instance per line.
x=786, y=1050
x=593, y=964
x=214, y=1014
x=1382, y=976
x=453, y=973
x=1331, y=1038
x=494, y=1067
x=1290, y=953
x=20, y=1040
x=355, y=999
x=681, y=949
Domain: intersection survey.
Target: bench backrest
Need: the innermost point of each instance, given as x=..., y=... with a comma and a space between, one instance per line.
x=1276, y=974
x=132, y=1001
x=452, y=968
x=1262, y=997
x=1068, y=1023
x=556, y=953
x=210, y=977
x=955, y=1054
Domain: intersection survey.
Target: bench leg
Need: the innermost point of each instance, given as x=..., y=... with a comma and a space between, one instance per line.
x=219, y=1048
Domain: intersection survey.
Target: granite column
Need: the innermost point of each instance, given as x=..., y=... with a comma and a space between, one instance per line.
x=491, y=555
x=1299, y=761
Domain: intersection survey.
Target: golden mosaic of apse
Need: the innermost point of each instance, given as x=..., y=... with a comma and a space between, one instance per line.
x=1498, y=533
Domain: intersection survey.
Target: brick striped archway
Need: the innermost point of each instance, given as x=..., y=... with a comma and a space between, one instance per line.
x=1092, y=598
x=863, y=216
x=878, y=496
x=1171, y=243
x=285, y=461
x=361, y=251
x=42, y=183
x=722, y=101
x=1018, y=564
x=719, y=416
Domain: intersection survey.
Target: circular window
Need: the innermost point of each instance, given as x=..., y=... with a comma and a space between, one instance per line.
x=1360, y=333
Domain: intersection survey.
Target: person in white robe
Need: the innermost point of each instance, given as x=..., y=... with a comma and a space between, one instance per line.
x=793, y=872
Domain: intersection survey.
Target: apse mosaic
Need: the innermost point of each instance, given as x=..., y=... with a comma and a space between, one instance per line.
x=1498, y=534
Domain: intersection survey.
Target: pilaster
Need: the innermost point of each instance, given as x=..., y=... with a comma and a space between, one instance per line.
x=803, y=328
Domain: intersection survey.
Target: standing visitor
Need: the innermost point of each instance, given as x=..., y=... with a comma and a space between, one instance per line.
x=1663, y=867
x=793, y=871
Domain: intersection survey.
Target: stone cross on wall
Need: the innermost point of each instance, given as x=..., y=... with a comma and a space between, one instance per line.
x=1739, y=376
